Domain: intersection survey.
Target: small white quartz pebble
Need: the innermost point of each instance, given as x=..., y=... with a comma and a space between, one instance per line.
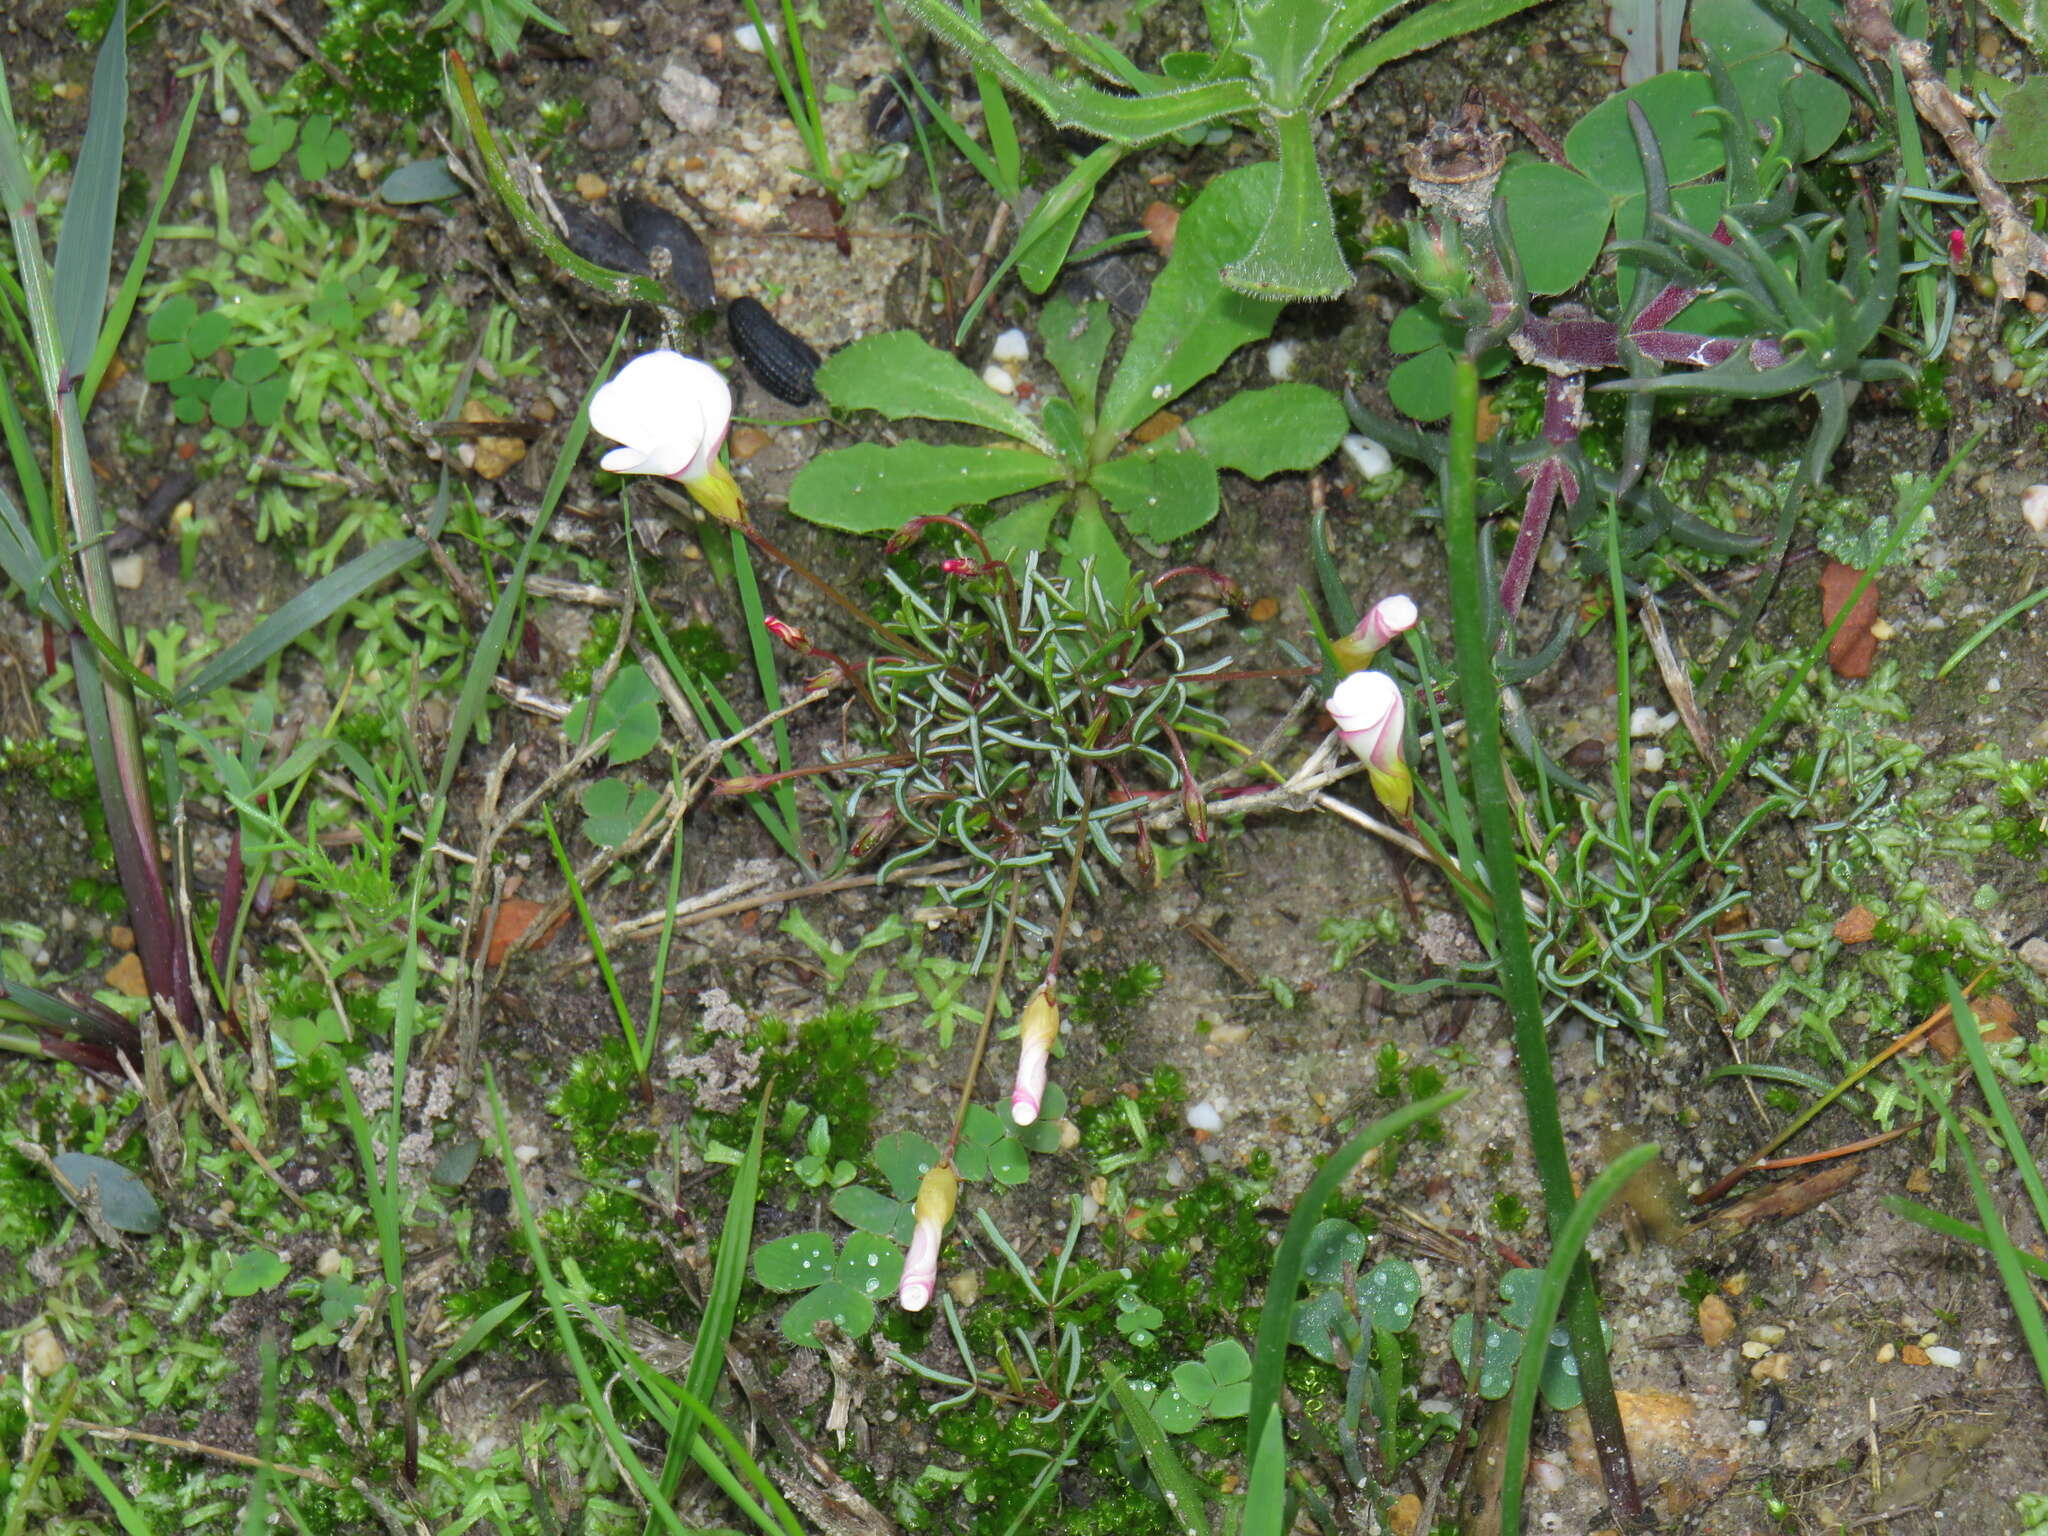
x=1367, y=457
x=997, y=378
x=2034, y=507
x=1644, y=720
x=1653, y=759
x=127, y=571
x=1203, y=1117
x=1280, y=358
x=748, y=37
x=1942, y=1355
x=1013, y=346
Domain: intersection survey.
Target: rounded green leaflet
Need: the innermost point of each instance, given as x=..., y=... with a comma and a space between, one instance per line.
x=1503, y=1349
x=1390, y=1292
x=1176, y=1412
x=868, y=1210
x=970, y=1161
x=257, y=1270
x=904, y=1158
x=870, y=1264
x=834, y=1302
x=1333, y=1245
x=1043, y=1134
x=981, y=1126
x=1559, y=219
x=1008, y=1163
x=1324, y=1322
x=796, y=1262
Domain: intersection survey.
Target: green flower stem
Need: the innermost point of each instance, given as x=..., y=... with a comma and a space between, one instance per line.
x=1480, y=696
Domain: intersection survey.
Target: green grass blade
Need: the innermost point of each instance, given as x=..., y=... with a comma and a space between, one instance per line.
x=304, y=611
x=1557, y=1277
x=1276, y=1318
x=712, y=712
x=490, y=649
x=131, y=1518
x=591, y=1389
x=1994, y=1098
x=1947, y=1226
x=763, y=645
x=728, y=1274
x=2004, y=1253
x=1265, y=1494
x=85, y=244
x=1185, y=1497
x=123, y=308
x=472, y=1339
x=596, y=937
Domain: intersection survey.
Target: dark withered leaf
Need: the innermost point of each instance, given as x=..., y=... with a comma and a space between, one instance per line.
x=597, y=241
x=654, y=228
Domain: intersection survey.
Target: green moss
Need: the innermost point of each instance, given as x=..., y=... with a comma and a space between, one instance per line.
x=390, y=63
x=598, y=1106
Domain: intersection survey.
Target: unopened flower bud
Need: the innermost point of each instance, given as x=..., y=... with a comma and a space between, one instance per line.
x=874, y=834
x=1036, y=1037
x=936, y=1193
x=1371, y=717
x=788, y=634
x=1389, y=618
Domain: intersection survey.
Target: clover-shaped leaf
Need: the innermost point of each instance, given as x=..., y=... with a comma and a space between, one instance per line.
x=323, y=147
x=1220, y=1383
x=1503, y=1349
x=1390, y=1292
x=1137, y=1320
x=269, y=136
x=1176, y=1412
x=796, y=1262
x=1323, y=1322
x=1334, y=1245
x=1043, y=1134
x=630, y=708
x=840, y=1304
x=612, y=808
x=868, y=1210
x=257, y=1270
x=870, y=1265
x=904, y=1158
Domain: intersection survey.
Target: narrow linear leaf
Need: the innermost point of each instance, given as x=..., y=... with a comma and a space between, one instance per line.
x=300, y=613
x=85, y=244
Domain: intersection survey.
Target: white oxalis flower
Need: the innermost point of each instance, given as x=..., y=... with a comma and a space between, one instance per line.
x=670, y=411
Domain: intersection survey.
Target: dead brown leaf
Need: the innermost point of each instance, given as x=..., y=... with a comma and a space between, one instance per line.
x=515, y=916
x=1854, y=649
x=1995, y=1019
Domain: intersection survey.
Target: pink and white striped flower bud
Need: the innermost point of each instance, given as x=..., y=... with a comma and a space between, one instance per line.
x=1390, y=617
x=1036, y=1037
x=1372, y=717
x=936, y=1193
x=788, y=634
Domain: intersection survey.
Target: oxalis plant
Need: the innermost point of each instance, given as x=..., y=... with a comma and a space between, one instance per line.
x=1735, y=279
x=1082, y=444
x=1275, y=66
